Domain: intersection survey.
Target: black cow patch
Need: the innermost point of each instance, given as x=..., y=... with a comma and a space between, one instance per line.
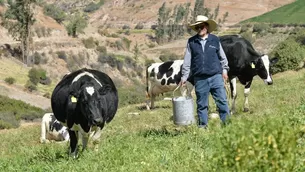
x=165, y=69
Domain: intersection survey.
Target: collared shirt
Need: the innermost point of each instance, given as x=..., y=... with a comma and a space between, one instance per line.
x=187, y=60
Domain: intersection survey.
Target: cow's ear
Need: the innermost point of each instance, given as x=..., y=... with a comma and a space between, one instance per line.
x=274, y=60
x=104, y=89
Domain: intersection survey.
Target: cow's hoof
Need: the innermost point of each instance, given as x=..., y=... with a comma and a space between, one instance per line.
x=246, y=109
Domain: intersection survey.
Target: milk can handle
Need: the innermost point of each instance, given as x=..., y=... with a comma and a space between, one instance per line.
x=176, y=90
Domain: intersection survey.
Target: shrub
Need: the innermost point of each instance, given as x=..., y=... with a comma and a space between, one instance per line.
x=168, y=56
x=126, y=27
x=93, y=6
x=36, y=58
x=290, y=54
x=47, y=95
x=149, y=62
x=30, y=86
x=10, y=80
x=103, y=32
x=62, y=55
x=267, y=146
x=139, y=26
x=126, y=43
x=90, y=43
x=119, y=45
x=245, y=28
x=260, y=28
x=248, y=36
x=55, y=12
x=101, y=49
x=37, y=74
x=8, y=120
x=46, y=81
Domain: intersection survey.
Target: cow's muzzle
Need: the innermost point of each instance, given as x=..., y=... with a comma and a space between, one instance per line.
x=97, y=121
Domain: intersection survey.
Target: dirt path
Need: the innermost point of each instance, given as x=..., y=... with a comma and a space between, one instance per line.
x=33, y=99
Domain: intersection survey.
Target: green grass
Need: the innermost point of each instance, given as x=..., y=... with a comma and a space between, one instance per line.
x=268, y=138
x=289, y=14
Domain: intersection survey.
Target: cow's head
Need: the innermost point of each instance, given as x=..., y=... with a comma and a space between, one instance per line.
x=262, y=67
x=89, y=100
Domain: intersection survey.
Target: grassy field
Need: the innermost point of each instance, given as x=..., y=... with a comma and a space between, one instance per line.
x=289, y=14
x=268, y=138
x=12, y=68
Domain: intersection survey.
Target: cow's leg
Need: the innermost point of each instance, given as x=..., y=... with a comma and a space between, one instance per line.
x=246, y=94
x=152, y=101
x=233, y=94
x=43, y=132
x=85, y=138
x=73, y=143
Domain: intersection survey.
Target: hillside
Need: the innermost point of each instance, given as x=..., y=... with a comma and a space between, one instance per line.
x=288, y=14
x=60, y=53
x=119, y=12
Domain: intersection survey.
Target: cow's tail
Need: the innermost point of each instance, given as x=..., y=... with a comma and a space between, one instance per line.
x=147, y=84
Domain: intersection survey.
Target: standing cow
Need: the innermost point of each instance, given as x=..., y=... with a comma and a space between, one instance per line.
x=84, y=101
x=245, y=63
x=51, y=129
x=164, y=77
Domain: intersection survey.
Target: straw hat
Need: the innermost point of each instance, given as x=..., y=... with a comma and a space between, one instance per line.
x=203, y=19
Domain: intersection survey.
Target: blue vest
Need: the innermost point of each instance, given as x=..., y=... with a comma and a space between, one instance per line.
x=205, y=63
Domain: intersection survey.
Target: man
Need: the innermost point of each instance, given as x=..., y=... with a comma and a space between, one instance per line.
x=206, y=61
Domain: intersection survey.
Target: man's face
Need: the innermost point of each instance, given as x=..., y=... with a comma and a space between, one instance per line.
x=202, y=29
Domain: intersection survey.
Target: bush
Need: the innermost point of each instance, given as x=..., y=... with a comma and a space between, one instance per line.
x=125, y=27
x=90, y=43
x=37, y=58
x=93, y=6
x=167, y=56
x=248, y=36
x=37, y=74
x=149, y=62
x=101, y=49
x=55, y=12
x=260, y=28
x=10, y=80
x=245, y=28
x=126, y=43
x=8, y=120
x=62, y=55
x=291, y=56
x=139, y=26
x=46, y=81
x=30, y=86
x=267, y=146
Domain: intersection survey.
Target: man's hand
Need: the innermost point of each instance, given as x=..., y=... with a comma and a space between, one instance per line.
x=182, y=83
x=225, y=76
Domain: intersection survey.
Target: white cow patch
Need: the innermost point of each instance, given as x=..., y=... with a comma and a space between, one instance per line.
x=90, y=90
x=266, y=62
x=88, y=74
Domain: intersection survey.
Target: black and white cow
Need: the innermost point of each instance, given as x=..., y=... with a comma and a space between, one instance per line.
x=52, y=129
x=245, y=63
x=84, y=101
x=164, y=77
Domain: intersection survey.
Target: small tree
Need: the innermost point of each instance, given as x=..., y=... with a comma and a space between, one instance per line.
x=18, y=19
x=136, y=51
x=77, y=24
